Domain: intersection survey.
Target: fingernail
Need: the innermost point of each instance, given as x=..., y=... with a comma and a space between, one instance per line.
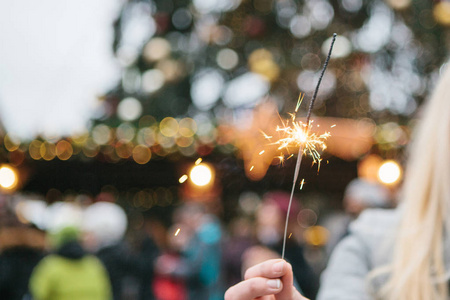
x=274, y=283
x=278, y=267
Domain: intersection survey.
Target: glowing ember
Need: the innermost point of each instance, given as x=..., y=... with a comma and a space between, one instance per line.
x=183, y=178
x=302, y=183
x=177, y=232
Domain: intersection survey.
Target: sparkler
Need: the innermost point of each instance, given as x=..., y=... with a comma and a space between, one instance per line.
x=299, y=135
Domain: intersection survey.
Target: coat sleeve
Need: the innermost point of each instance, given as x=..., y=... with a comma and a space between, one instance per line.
x=346, y=274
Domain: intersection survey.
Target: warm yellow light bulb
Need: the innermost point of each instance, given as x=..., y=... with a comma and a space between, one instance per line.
x=389, y=172
x=8, y=177
x=201, y=175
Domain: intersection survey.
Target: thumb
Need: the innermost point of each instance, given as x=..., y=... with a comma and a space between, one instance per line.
x=289, y=292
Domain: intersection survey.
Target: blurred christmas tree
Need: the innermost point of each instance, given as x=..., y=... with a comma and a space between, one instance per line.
x=190, y=68
x=203, y=61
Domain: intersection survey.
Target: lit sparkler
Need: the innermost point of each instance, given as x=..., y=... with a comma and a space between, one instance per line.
x=298, y=134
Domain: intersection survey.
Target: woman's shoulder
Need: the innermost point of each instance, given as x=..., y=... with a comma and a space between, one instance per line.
x=373, y=232
x=376, y=222
x=366, y=246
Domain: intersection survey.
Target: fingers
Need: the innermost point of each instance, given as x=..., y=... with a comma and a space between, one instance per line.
x=273, y=268
x=254, y=288
x=272, y=277
x=289, y=292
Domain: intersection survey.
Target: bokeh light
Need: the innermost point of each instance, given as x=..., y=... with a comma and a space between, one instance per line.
x=201, y=175
x=322, y=13
x=352, y=5
x=124, y=149
x=181, y=18
x=48, y=151
x=389, y=172
x=156, y=49
x=307, y=80
x=227, y=59
x=90, y=148
x=171, y=69
x=34, y=149
x=206, y=88
x=152, y=80
x=129, y=109
x=342, y=47
x=188, y=127
x=316, y=235
x=237, y=93
x=441, y=12
x=11, y=142
x=399, y=4
x=169, y=127
x=261, y=62
x=167, y=142
x=184, y=141
x=141, y=154
x=125, y=132
x=300, y=26
x=64, y=150
x=101, y=134
x=8, y=177
x=146, y=136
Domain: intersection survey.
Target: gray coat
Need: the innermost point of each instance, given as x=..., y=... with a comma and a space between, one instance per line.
x=368, y=246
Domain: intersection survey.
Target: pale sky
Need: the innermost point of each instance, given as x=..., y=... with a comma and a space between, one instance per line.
x=55, y=58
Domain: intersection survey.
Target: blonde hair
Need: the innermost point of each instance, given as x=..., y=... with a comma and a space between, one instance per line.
x=417, y=271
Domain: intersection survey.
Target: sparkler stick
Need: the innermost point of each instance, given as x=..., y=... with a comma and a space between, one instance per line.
x=300, y=149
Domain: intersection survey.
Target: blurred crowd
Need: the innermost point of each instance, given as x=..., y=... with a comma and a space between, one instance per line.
x=86, y=249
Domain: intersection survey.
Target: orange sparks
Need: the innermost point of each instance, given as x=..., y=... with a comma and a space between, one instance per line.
x=297, y=134
x=260, y=153
x=252, y=167
x=299, y=101
x=177, y=232
x=198, y=161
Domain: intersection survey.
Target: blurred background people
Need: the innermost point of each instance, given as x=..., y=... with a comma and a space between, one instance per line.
x=199, y=263
x=105, y=224
x=22, y=246
x=239, y=237
x=69, y=273
x=361, y=193
x=170, y=284
x=270, y=223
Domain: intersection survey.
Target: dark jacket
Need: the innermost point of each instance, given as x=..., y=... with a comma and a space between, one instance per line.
x=16, y=265
x=121, y=265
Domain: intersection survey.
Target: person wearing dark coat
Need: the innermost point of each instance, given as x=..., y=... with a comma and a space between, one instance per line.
x=21, y=249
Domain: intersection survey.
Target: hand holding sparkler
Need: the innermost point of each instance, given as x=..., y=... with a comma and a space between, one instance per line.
x=273, y=279
x=270, y=280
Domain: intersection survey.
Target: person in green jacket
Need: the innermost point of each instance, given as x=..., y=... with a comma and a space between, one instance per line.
x=70, y=273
